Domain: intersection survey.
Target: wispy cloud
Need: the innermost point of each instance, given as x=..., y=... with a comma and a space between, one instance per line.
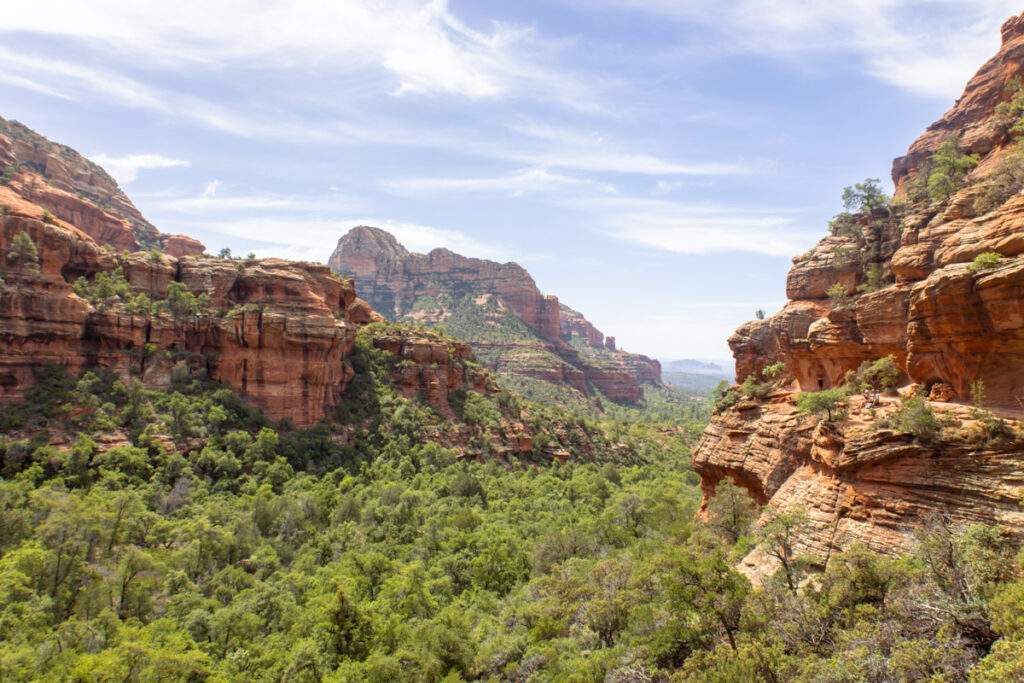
x=697, y=228
x=594, y=152
x=525, y=181
x=126, y=168
x=928, y=47
x=413, y=46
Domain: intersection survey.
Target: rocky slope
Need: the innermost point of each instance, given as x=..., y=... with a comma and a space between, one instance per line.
x=55, y=178
x=947, y=321
x=488, y=303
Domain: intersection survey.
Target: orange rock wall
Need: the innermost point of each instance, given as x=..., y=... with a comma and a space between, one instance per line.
x=288, y=358
x=945, y=323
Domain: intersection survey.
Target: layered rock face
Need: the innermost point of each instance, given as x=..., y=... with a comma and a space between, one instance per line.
x=77, y=192
x=278, y=332
x=393, y=281
x=390, y=278
x=947, y=322
x=275, y=332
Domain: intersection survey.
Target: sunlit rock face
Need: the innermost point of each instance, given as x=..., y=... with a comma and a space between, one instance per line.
x=947, y=323
x=392, y=279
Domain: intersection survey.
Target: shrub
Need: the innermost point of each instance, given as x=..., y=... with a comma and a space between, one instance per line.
x=915, y=416
x=1006, y=180
x=831, y=402
x=944, y=172
x=875, y=278
x=774, y=370
x=990, y=427
x=23, y=252
x=836, y=293
x=751, y=387
x=8, y=175
x=725, y=397
x=182, y=302
x=880, y=374
x=104, y=288
x=985, y=261
x=48, y=217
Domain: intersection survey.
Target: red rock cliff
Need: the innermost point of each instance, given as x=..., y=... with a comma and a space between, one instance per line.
x=76, y=191
x=391, y=279
x=947, y=323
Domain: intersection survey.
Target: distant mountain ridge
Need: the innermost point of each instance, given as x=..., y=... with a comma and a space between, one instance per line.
x=694, y=366
x=514, y=328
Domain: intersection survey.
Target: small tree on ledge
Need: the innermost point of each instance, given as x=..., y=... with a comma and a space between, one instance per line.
x=830, y=402
x=24, y=254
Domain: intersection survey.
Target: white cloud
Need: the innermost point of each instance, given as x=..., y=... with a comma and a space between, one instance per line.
x=417, y=46
x=211, y=200
x=529, y=180
x=928, y=47
x=125, y=169
x=595, y=152
x=696, y=228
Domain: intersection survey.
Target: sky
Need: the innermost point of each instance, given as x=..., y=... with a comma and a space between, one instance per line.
x=653, y=163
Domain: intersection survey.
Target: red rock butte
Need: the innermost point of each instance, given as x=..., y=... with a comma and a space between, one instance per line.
x=391, y=279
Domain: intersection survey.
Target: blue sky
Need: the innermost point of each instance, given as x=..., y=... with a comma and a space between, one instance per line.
x=654, y=163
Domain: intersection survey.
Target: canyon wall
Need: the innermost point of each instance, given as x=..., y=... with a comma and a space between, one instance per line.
x=403, y=285
x=904, y=283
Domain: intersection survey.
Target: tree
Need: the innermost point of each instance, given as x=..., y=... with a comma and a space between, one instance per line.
x=24, y=254
x=182, y=302
x=865, y=197
x=779, y=538
x=731, y=511
x=945, y=171
x=829, y=401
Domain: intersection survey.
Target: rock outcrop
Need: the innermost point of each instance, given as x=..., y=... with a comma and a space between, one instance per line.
x=275, y=330
x=561, y=347
x=77, y=192
x=910, y=289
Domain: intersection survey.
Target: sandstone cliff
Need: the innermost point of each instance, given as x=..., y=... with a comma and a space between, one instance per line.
x=558, y=345
x=904, y=282
x=57, y=179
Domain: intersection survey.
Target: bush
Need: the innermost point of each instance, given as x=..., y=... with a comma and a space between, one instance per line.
x=751, y=387
x=8, y=175
x=831, y=402
x=725, y=397
x=880, y=374
x=944, y=172
x=23, y=252
x=1005, y=181
x=875, y=278
x=182, y=302
x=916, y=417
x=836, y=293
x=985, y=261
